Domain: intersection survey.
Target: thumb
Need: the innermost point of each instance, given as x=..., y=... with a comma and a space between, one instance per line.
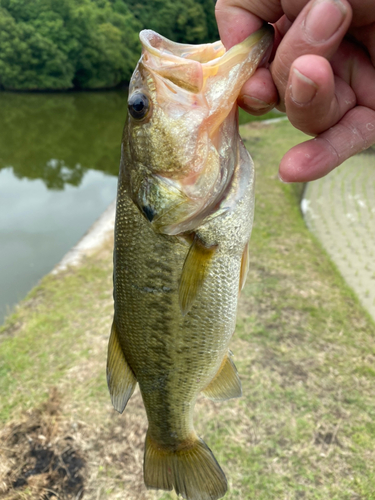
x=238, y=19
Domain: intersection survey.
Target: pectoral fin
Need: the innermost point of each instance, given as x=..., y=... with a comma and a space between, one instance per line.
x=120, y=378
x=226, y=384
x=194, y=272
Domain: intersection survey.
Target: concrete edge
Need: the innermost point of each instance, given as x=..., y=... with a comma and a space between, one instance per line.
x=274, y=120
x=99, y=232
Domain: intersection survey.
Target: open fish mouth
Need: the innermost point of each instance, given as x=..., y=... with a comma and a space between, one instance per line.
x=189, y=66
x=194, y=136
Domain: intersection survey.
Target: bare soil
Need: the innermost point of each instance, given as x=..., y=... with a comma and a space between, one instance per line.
x=41, y=456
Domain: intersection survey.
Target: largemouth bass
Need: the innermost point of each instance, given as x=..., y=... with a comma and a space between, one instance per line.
x=184, y=216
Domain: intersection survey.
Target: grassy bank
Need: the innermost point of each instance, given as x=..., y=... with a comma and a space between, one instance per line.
x=304, y=348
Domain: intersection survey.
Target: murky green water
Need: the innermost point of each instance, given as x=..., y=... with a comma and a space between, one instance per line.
x=59, y=157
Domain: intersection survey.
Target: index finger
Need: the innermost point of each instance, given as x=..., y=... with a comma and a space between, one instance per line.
x=238, y=19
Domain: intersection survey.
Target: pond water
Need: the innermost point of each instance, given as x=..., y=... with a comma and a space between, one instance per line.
x=59, y=157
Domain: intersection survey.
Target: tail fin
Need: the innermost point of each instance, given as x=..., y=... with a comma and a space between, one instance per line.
x=191, y=470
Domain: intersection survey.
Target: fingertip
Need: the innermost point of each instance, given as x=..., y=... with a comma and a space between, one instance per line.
x=282, y=180
x=317, y=31
x=310, y=99
x=324, y=19
x=314, y=67
x=315, y=158
x=259, y=94
x=302, y=88
x=235, y=22
x=255, y=106
x=306, y=162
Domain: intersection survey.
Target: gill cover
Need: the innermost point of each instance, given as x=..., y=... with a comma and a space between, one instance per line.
x=181, y=141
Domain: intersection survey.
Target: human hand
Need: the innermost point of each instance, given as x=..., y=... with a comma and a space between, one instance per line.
x=322, y=74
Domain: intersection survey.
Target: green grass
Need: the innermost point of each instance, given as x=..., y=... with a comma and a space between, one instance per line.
x=246, y=118
x=304, y=348
x=46, y=336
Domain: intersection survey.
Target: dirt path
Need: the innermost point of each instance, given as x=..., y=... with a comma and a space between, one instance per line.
x=340, y=210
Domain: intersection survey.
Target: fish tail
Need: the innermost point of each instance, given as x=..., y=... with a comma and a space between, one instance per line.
x=191, y=470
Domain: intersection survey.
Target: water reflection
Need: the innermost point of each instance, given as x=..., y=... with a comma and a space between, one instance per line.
x=59, y=157
x=58, y=137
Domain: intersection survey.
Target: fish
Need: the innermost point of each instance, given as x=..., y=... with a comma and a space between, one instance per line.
x=184, y=215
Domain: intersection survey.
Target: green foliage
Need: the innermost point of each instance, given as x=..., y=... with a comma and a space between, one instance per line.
x=190, y=21
x=29, y=60
x=49, y=45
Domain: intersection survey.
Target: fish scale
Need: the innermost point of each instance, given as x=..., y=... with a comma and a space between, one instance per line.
x=180, y=258
x=153, y=323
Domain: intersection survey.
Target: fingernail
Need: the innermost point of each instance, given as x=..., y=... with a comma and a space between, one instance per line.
x=282, y=180
x=324, y=19
x=302, y=89
x=254, y=103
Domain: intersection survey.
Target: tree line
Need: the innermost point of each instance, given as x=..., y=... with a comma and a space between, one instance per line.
x=89, y=44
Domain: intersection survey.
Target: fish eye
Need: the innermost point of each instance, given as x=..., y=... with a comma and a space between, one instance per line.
x=138, y=105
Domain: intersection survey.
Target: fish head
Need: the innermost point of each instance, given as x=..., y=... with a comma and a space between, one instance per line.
x=180, y=139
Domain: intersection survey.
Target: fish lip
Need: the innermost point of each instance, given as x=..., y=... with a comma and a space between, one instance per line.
x=167, y=50
x=182, y=65
x=152, y=41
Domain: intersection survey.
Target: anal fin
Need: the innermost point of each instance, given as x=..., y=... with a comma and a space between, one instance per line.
x=194, y=272
x=120, y=378
x=226, y=384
